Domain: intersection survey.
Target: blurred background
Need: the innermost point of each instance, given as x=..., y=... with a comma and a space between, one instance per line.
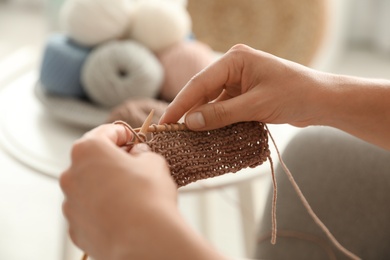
x=356, y=42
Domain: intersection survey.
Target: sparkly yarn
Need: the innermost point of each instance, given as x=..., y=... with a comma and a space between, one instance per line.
x=119, y=70
x=91, y=22
x=181, y=62
x=159, y=24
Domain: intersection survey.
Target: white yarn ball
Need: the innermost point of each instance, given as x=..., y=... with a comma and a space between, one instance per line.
x=159, y=24
x=119, y=70
x=180, y=2
x=91, y=22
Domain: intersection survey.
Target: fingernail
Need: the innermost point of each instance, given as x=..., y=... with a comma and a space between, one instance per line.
x=195, y=120
x=140, y=148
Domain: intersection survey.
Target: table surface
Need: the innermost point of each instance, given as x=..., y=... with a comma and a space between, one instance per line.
x=39, y=141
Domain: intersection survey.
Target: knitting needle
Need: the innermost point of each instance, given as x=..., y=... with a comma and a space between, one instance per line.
x=145, y=126
x=166, y=127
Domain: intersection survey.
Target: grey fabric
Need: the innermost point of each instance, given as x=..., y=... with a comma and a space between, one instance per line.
x=347, y=183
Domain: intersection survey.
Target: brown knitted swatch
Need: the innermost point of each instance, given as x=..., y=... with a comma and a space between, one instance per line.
x=194, y=155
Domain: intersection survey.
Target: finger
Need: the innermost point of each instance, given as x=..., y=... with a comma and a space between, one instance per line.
x=219, y=114
x=65, y=182
x=202, y=88
x=65, y=209
x=224, y=96
x=116, y=133
x=139, y=148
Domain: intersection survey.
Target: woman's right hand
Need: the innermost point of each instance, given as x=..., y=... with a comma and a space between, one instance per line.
x=248, y=85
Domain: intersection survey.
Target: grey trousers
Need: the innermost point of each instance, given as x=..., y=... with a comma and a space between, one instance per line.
x=347, y=183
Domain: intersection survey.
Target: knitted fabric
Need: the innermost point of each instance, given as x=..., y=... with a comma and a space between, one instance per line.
x=193, y=156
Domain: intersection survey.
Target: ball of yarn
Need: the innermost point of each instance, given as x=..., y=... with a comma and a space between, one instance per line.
x=159, y=24
x=181, y=62
x=91, y=22
x=61, y=65
x=135, y=111
x=180, y=2
x=119, y=70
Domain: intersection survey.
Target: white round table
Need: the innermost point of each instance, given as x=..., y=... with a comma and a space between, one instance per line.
x=43, y=143
x=29, y=134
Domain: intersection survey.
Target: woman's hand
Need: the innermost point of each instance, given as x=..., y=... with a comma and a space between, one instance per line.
x=244, y=85
x=122, y=205
x=111, y=196
x=249, y=85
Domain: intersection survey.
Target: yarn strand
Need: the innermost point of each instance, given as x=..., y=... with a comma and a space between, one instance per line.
x=85, y=256
x=306, y=204
x=274, y=199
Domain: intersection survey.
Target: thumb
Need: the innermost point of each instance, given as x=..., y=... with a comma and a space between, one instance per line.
x=216, y=115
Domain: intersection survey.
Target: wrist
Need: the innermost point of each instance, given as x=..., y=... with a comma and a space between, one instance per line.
x=355, y=105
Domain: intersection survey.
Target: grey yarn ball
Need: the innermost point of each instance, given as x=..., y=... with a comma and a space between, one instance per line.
x=119, y=70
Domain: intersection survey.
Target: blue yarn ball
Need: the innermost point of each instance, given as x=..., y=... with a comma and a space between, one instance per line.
x=61, y=66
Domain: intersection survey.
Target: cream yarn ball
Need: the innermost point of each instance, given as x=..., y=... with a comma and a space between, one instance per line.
x=119, y=70
x=180, y=2
x=91, y=22
x=159, y=24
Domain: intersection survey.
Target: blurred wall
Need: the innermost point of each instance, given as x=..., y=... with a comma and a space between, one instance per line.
x=369, y=25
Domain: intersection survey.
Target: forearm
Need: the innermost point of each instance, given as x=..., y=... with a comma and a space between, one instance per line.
x=182, y=242
x=358, y=106
x=172, y=238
